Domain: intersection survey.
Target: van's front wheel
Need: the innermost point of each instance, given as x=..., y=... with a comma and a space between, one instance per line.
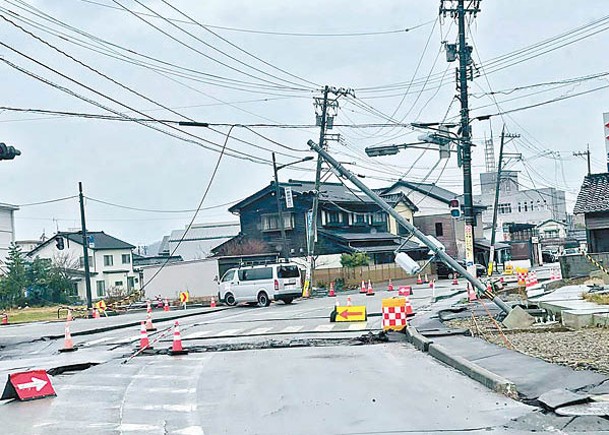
x=263, y=300
x=230, y=300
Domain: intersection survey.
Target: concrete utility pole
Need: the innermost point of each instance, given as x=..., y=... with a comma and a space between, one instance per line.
x=479, y=286
x=585, y=154
x=456, y=9
x=323, y=121
x=85, y=249
x=279, y=209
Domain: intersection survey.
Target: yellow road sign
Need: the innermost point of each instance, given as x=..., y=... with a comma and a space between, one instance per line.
x=351, y=314
x=101, y=306
x=184, y=297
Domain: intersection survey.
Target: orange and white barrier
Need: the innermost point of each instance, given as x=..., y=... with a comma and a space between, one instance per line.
x=394, y=314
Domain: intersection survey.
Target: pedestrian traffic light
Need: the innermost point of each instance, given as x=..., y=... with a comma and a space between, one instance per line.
x=59, y=243
x=8, y=152
x=455, y=208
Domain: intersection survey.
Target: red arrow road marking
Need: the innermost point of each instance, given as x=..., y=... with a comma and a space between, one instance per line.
x=345, y=314
x=36, y=383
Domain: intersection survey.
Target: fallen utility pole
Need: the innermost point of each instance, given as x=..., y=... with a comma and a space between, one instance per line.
x=447, y=259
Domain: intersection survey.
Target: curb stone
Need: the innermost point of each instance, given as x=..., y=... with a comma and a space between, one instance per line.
x=490, y=380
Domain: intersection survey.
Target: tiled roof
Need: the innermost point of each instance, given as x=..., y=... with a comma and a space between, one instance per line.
x=593, y=195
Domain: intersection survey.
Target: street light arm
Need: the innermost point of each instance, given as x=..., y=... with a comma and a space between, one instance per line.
x=305, y=159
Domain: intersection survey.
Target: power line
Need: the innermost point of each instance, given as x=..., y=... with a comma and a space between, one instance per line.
x=49, y=201
x=154, y=210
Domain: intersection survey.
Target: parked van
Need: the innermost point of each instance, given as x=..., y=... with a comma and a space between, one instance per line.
x=261, y=284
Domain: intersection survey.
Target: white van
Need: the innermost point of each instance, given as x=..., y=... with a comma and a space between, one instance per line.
x=261, y=284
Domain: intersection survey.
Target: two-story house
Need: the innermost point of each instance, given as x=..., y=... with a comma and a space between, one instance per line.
x=110, y=261
x=7, y=230
x=347, y=221
x=433, y=218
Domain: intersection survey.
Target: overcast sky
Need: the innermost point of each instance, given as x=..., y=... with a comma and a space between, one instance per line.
x=131, y=164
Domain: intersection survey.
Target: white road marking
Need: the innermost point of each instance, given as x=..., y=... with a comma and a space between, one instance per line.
x=228, y=332
x=115, y=387
x=93, y=342
x=191, y=430
x=323, y=328
x=166, y=407
x=197, y=334
x=259, y=331
x=292, y=328
x=126, y=427
x=358, y=326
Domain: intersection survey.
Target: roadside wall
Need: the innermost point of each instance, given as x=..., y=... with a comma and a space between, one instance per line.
x=577, y=265
x=196, y=276
x=352, y=277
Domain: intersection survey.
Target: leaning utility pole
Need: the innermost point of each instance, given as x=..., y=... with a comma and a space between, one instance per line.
x=279, y=210
x=585, y=154
x=85, y=249
x=456, y=9
x=325, y=123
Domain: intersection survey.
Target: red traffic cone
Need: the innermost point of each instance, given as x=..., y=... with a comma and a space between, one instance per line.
x=348, y=301
x=419, y=279
x=68, y=344
x=332, y=294
x=212, y=304
x=455, y=279
x=426, y=279
x=176, y=348
x=409, y=310
x=432, y=283
x=166, y=305
x=4, y=318
x=363, y=287
x=144, y=342
x=390, y=286
x=370, y=291
x=149, y=325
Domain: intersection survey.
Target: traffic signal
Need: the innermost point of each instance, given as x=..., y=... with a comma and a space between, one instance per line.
x=455, y=208
x=8, y=152
x=59, y=243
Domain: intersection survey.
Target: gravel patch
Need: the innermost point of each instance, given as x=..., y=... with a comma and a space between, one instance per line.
x=582, y=349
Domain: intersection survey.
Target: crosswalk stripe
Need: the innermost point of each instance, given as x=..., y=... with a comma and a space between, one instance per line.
x=197, y=334
x=324, y=328
x=259, y=331
x=98, y=341
x=292, y=329
x=228, y=332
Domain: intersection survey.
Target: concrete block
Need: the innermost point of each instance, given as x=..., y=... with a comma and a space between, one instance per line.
x=419, y=341
x=601, y=320
x=577, y=319
x=518, y=319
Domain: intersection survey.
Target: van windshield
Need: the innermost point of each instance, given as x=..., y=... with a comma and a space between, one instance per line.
x=255, y=274
x=288, y=272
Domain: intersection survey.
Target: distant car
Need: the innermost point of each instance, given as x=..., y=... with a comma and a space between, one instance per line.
x=571, y=251
x=548, y=257
x=445, y=271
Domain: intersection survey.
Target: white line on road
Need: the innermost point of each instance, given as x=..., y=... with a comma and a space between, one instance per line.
x=197, y=334
x=228, y=332
x=114, y=388
x=100, y=340
x=291, y=329
x=323, y=328
x=258, y=331
x=166, y=407
x=358, y=326
x=191, y=430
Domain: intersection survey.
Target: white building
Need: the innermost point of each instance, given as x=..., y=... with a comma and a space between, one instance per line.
x=110, y=261
x=7, y=230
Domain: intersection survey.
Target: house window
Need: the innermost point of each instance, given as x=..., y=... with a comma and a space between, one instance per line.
x=538, y=205
x=504, y=208
x=101, y=289
x=130, y=283
x=126, y=258
x=439, y=229
x=74, y=290
x=81, y=262
x=379, y=218
x=270, y=222
x=333, y=217
x=108, y=260
x=531, y=206
x=360, y=218
x=118, y=284
x=519, y=207
x=526, y=208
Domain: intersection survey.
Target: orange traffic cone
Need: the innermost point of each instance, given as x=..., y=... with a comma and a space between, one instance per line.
x=419, y=280
x=455, y=279
x=149, y=325
x=68, y=344
x=69, y=317
x=471, y=293
x=95, y=313
x=426, y=279
x=144, y=342
x=409, y=310
x=148, y=307
x=166, y=305
x=212, y=304
x=363, y=287
x=332, y=294
x=390, y=286
x=432, y=283
x=370, y=291
x=176, y=348
x=348, y=301
x=4, y=319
